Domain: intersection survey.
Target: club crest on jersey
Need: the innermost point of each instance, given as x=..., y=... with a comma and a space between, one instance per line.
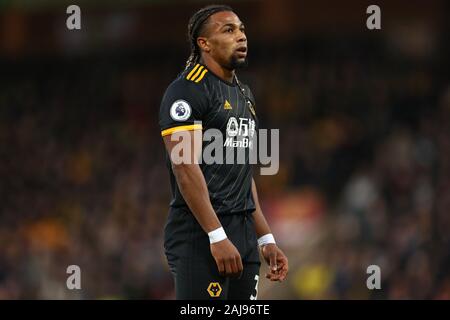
x=214, y=289
x=180, y=110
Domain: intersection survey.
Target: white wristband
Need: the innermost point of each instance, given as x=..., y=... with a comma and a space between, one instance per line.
x=266, y=239
x=217, y=235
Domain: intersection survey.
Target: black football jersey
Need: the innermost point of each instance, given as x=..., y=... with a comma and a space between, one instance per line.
x=198, y=99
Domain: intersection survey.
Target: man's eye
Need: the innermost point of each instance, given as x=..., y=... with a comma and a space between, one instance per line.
x=229, y=30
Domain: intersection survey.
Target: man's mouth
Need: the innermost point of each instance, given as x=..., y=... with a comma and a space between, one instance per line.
x=242, y=51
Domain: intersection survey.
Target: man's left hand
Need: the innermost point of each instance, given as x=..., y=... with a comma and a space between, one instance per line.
x=277, y=261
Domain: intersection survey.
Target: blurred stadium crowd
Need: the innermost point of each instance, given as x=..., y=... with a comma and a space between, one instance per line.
x=365, y=155
x=364, y=171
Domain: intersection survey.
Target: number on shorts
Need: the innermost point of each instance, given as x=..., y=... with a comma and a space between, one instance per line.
x=254, y=297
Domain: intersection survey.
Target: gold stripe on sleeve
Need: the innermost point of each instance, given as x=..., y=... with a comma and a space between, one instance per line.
x=181, y=128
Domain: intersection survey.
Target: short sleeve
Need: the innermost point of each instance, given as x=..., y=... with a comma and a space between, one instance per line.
x=182, y=108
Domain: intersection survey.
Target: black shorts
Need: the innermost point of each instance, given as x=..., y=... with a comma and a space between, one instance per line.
x=194, y=269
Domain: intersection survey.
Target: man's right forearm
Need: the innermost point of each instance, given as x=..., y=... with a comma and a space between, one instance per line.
x=194, y=190
x=193, y=187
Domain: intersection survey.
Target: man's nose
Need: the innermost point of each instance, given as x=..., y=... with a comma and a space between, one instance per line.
x=242, y=37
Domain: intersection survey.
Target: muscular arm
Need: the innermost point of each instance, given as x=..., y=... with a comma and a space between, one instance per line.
x=261, y=225
x=192, y=185
x=275, y=258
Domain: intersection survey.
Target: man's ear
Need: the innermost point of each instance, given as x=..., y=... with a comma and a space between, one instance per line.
x=203, y=44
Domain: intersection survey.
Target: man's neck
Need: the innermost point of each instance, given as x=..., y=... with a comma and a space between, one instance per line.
x=223, y=73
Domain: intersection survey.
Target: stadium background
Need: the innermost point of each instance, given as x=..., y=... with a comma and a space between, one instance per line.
x=364, y=119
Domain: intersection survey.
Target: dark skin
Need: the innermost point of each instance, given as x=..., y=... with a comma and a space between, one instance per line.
x=192, y=185
x=274, y=257
x=223, y=40
x=223, y=46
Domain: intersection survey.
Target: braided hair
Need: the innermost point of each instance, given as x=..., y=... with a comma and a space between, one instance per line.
x=195, y=27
